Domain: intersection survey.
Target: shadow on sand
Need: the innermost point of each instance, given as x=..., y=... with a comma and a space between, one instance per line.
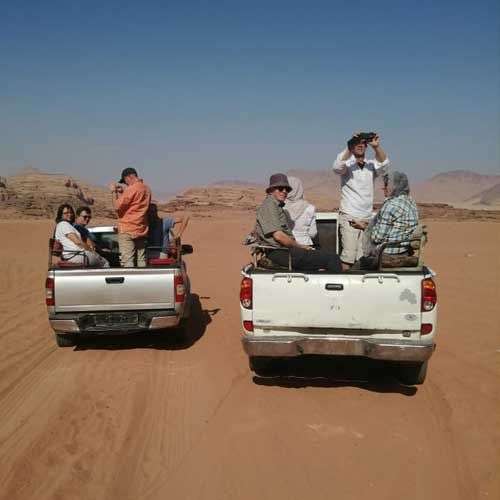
x=169, y=339
x=333, y=371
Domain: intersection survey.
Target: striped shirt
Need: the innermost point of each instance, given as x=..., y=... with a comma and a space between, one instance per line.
x=395, y=223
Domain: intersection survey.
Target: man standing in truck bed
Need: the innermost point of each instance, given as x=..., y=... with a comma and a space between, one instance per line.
x=132, y=207
x=356, y=202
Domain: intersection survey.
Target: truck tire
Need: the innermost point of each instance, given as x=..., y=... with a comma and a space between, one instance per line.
x=413, y=374
x=65, y=340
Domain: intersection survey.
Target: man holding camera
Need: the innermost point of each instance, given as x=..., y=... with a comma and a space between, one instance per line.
x=357, y=180
x=132, y=206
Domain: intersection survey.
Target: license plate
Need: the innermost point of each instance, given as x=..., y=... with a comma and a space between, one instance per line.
x=116, y=319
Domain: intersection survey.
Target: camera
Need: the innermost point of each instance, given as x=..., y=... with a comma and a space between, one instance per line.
x=366, y=136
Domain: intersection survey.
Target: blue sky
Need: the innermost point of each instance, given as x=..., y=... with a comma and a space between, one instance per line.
x=193, y=92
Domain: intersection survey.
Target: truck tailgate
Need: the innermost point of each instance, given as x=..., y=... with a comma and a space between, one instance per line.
x=114, y=289
x=381, y=301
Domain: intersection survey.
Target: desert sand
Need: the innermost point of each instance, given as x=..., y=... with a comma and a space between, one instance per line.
x=154, y=417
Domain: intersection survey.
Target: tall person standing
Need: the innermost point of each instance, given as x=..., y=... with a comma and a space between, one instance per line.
x=132, y=205
x=356, y=201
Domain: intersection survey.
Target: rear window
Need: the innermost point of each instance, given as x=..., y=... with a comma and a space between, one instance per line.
x=108, y=241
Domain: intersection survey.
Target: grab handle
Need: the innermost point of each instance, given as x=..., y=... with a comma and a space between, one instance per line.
x=334, y=286
x=289, y=276
x=119, y=279
x=380, y=277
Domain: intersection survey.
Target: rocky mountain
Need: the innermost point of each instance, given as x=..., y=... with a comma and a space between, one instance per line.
x=33, y=193
x=216, y=196
x=453, y=187
x=489, y=197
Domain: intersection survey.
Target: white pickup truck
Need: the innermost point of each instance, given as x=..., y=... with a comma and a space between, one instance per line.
x=83, y=300
x=385, y=314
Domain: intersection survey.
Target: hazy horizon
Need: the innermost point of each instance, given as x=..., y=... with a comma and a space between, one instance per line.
x=190, y=94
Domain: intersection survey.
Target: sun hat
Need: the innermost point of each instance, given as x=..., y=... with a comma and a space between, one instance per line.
x=278, y=180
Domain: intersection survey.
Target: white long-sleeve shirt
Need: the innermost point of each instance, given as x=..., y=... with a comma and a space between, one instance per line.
x=357, y=184
x=304, y=228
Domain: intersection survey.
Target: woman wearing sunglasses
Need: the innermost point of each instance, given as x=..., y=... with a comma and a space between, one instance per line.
x=75, y=250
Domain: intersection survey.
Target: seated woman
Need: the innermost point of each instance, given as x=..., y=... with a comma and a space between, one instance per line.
x=396, y=220
x=163, y=232
x=74, y=249
x=302, y=214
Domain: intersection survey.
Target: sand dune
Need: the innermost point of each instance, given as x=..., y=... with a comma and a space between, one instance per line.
x=155, y=418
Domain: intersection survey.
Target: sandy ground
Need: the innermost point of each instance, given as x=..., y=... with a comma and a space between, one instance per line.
x=139, y=418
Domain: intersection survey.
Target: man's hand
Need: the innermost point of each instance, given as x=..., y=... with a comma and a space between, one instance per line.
x=380, y=155
x=375, y=142
x=358, y=224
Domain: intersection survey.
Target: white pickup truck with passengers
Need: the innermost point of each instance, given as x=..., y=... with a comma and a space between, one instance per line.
x=83, y=300
x=385, y=313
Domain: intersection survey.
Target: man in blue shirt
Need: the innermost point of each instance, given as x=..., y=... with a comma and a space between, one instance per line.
x=83, y=216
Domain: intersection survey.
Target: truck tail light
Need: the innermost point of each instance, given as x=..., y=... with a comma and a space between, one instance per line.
x=248, y=326
x=50, y=299
x=429, y=296
x=246, y=293
x=180, y=289
x=426, y=328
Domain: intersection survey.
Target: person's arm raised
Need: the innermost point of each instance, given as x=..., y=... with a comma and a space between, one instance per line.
x=120, y=200
x=339, y=165
x=380, y=154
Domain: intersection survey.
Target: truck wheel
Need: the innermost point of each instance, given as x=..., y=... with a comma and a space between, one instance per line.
x=413, y=374
x=261, y=365
x=181, y=329
x=65, y=340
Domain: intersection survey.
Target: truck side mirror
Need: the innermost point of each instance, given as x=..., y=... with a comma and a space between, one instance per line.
x=186, y=249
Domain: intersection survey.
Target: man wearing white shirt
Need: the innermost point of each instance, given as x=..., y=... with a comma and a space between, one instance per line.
x=356, y=203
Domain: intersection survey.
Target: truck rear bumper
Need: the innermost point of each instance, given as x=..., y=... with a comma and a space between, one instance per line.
x=390, y=350
x=78, y=323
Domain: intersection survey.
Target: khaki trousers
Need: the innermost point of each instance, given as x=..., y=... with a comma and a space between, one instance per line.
x=132, y=250
x=352, y=240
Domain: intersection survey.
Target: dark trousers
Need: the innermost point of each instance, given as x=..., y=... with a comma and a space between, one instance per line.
x=307, y=260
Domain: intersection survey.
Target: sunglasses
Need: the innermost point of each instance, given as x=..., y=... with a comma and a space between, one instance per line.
x=88, y=217
x=282, y=188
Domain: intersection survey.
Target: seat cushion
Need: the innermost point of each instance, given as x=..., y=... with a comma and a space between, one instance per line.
x=166, y=261
x=66, y=263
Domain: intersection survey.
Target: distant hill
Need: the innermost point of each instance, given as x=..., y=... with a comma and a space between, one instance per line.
x=453, y=187
x=201, y=199
x=322, y=188
x=33, y=193
x=488, y=197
